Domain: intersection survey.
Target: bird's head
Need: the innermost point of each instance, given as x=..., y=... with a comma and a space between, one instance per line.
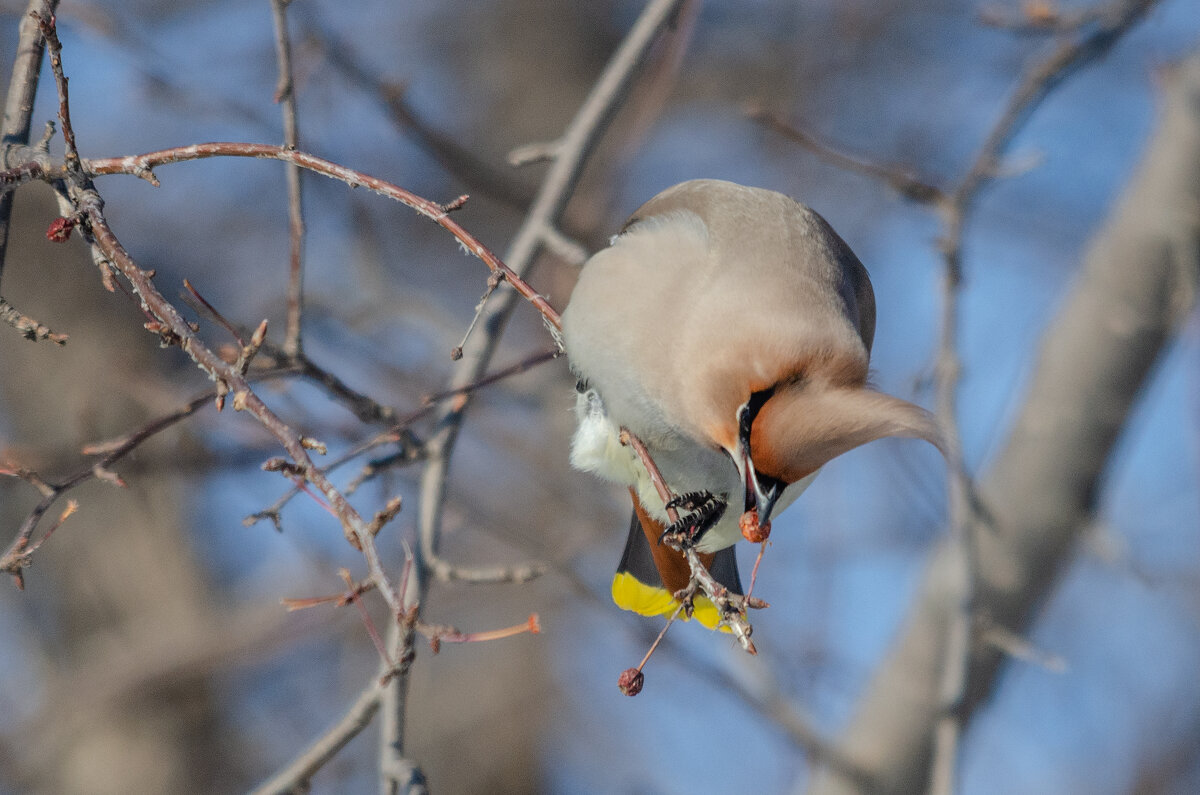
x=783, y=434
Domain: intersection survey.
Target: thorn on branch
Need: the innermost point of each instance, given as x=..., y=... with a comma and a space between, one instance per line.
x=366, y=617
x=338, y=600
x=456, y=204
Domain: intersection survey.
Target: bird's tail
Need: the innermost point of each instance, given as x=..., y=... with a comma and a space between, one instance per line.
x=651, y=572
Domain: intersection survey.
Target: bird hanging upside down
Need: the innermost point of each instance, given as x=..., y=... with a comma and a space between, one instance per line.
x=729, y=328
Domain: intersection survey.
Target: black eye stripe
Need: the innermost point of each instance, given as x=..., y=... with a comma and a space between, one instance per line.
x=750, y=411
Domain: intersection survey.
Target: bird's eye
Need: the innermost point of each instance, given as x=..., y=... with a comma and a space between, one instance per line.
x=582, y=386
x=748, y=412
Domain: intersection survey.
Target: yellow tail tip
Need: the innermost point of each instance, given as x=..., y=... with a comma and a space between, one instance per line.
x=631, y=594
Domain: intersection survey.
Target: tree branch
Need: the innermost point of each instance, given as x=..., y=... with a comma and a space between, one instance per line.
x=1040, y=494
x=14, y=142
x=285, y=95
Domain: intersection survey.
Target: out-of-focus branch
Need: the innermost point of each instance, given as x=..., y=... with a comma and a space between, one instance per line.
x=285, y=95
x=1037, y=83
x=16, y=557
x=14, y=142
x=900, y=179
x=173, y=329
x=1071, y=55
x=1094, y=34
x=30, y=328
x=294, y=776
x=143, y=165
x=475, y=174
x=576, y=144
x=731, y=607
x=1040, y=494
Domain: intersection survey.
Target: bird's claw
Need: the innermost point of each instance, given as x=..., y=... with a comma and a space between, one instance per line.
x=700, y=511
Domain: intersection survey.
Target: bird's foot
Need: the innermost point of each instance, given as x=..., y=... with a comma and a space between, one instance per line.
x=699, y=511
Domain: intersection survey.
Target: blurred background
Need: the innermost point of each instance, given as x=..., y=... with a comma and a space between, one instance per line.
x=149, y=651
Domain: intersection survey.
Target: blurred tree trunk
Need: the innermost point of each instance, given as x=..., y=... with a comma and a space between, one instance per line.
x=1137, y=285
x=117, y=588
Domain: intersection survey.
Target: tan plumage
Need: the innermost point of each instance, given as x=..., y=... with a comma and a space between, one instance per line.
x=714, y=292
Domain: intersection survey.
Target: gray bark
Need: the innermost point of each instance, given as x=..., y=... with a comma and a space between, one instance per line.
x=1136, y=286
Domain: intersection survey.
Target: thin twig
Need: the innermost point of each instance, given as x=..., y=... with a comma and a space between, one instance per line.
x=522, y=366
x=285, y=95
x=411, y=449
x=458, y=161
x=1041, y=79
x=900, y=179
x=143, y=165
x=492, y=283
x=30, y=328
x=48, y=25
x=16, y=556
x=18, y=106
x=578, y=141
x=295, y=775
x=730, y=607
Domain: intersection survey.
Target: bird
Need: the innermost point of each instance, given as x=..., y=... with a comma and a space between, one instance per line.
x=729, y=328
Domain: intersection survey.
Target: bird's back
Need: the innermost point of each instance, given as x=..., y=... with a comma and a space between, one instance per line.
x=716, y=283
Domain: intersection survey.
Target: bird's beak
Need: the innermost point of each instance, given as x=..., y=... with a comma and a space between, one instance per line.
x=761, y=491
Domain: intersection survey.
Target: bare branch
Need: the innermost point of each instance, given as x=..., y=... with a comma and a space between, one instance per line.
x=1039, y=495
x=898, y=178
x=285, y=95
x=731, y=607
x=145, y=163
x=577, y=143
x=30, y=328
x=1035, y=86
x=458, y=161
x=294, y=776
x=18, y=117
